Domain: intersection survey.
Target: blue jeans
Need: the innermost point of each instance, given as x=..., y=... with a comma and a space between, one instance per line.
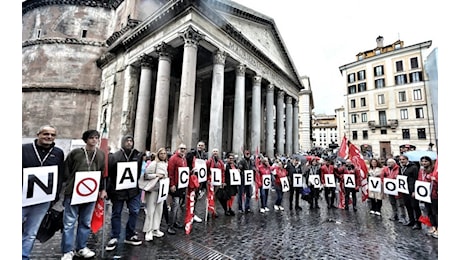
x=32, y=217
x=133, y=204
x=81, y=212
x=246, y=190
x=279, y=195
x=263, y=197
x=174, y=214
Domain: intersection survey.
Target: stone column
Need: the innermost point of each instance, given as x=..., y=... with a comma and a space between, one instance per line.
x=187, y=89
x=161, y=107
x=143, y=103
x=269, y=142
x=217, y=102
x=295, y=126
x=289, y=126
x=280, y=123
x=174, y=138
x=256, y=114
x=228, y=124
x=197, y=115
x=131, y=84
x=238, y=114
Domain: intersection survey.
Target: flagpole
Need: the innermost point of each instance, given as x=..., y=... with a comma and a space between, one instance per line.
x=105, y=148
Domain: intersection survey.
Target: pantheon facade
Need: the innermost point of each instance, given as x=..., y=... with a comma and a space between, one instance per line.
x=167, y=72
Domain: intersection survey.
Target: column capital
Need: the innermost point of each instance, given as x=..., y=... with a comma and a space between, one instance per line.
x=146, y=60
x=240, y=70
x=165, y=50
x=271, y=87
x=256, y=80
x=281, y=94
x=288, y=100
x=219, y=57
x=191, y=36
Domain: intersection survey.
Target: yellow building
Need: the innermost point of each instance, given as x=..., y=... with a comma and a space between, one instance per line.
x=387, y=101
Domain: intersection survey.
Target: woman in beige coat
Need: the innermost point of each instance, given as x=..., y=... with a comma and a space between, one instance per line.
x=157, y=168
x=375, y=170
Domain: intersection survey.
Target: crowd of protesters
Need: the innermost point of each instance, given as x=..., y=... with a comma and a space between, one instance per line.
x=279, y=174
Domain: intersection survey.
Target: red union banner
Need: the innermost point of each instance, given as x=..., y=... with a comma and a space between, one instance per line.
x=358, y=161
x=343, y=150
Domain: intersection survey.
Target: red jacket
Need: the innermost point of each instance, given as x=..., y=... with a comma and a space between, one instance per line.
x=211, y=163
x=390, y=173
x=357, y=176
x=325, y=169
x=174, y=163
x=280, y=173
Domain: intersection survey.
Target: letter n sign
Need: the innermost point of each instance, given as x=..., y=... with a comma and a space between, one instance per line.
x=39, y=184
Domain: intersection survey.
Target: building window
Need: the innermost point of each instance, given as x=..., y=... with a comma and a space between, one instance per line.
x=417, y=94
x=414, y=63
x=352, y=103
x=383, y=131
x=406, y=134
x=382, y=118
x=363, y=117
x=401, y=79
x=404, y=114
x=378, y=71
x=351, y=77
x=418, y=112
x=402, y=96
x=415, y=77
x=399, y=66
x=379, y=83
x=361, y=75
x=365, y=135
x=84, y=33
x=381, y=99
x=421, y=133
x=362, y=87
x=363, y=102
x=354, y=118
x=355, y=135
x=352, y=89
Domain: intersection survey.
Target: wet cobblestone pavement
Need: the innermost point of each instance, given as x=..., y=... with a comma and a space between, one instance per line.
x=307, y=234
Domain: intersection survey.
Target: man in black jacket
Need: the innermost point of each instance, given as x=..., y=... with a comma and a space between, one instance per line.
x=119, y=194
x=294, y=167
x=41, y=152
x=410, y=170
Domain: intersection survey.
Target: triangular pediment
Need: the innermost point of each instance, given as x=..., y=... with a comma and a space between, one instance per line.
x=264, y=37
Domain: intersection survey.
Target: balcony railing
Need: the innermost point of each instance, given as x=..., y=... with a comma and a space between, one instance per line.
x=391, y=123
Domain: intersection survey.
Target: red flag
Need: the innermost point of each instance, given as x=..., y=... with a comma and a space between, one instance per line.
x=210, y=198
x=358, y=161
x=98, y=216
x=97, y=221
x=190, y=203
x=343, y=150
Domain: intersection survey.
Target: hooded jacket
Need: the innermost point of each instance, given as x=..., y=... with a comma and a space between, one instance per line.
x=123, y=155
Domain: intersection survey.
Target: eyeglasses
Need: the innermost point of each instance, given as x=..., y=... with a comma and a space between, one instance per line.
x=182, y=148
x=230, y=158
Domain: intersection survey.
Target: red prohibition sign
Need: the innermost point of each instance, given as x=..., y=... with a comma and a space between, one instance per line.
x=89, y=189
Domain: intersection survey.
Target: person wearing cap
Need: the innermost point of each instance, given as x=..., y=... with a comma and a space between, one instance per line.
x=313, y=169
x=85, y=159
x=41, y=152
x=293, y=166
x=351, y=169
x=121, y=196
x=244, y=164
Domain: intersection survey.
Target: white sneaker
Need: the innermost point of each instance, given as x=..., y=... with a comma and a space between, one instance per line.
x=68, y=256
x=111, y=245
x=158, y=233
x=262, y=210
x=197, y=219
x=276, y=207
x=85, y=253
x=267, y=209
x=281, y=208
x=372, y=212
x=377, y=213
x=148, y=236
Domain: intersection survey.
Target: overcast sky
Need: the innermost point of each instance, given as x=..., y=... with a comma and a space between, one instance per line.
x=323, y=35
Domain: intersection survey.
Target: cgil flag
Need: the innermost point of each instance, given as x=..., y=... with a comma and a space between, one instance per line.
x=358, y=161
x=343, y=150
